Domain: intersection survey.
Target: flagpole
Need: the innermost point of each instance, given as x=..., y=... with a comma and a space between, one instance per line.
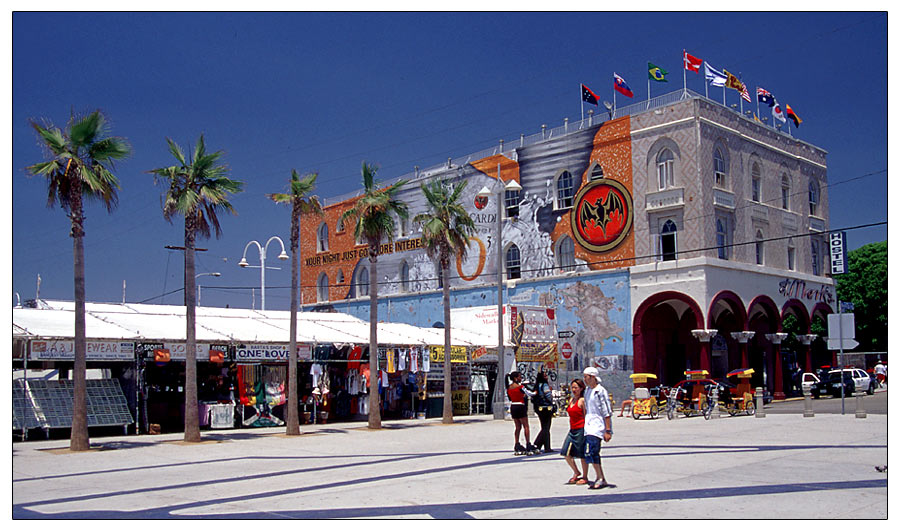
x=757, y=101
x=706, y=81
x=684, y=68
x=582, y=104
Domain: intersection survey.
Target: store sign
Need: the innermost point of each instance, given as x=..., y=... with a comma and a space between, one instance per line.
x=537, y=352
x=457, y=354
x=533, y=324
x=838, y=243
x=261, y=353
x=602, y=215
x=96, y=350
x=460, y=400
x=797, y=289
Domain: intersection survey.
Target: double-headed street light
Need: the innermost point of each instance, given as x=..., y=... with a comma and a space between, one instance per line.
x=484, y=194
x=262, y=263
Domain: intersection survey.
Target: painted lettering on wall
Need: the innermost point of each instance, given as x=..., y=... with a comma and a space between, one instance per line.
x=796, y=289
x=362, y=252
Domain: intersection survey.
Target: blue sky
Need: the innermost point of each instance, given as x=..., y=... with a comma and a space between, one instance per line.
x=325, y=91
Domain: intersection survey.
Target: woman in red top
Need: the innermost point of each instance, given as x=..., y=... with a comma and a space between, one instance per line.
x=516, y=393
x=574, y=444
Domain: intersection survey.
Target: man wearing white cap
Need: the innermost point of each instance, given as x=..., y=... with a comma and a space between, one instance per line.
x=597, y=424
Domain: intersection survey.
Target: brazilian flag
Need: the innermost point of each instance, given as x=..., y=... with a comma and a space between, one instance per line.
x=656, y=73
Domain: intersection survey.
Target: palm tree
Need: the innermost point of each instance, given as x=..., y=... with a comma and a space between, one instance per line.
x=198, y=190
x=79, y=167
x=446, y=229
x=372, y=218
x=301, y=204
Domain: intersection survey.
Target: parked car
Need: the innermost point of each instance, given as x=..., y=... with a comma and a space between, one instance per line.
x=831, y=385
x=861, y=379
x=807, y=379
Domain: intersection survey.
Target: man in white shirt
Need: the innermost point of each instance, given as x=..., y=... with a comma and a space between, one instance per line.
x=880, y=373
x=597, y=424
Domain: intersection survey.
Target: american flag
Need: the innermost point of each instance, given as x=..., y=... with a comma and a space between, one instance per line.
x=746, y=94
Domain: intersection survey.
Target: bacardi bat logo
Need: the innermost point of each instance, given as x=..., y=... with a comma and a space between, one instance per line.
x=601, y=215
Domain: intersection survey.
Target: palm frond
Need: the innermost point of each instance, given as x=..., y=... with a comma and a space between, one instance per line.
x=84, y=131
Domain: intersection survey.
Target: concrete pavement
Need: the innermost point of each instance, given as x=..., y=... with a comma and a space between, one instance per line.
x=781, y=466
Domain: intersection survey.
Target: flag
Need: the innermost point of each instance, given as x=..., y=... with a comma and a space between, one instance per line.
x=588, y=95
x=793, y=116
x=621, y=86
x=656, y=73
x=745, y=94
x=777, y=113
x=714, y=77
x=691, y=63
x=764, y=96
x=733, y=82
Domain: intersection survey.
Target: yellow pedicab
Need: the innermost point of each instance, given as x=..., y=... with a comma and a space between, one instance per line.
x=742, y=395
x=644, y=402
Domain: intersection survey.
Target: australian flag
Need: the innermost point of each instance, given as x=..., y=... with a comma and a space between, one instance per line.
x=764, y=96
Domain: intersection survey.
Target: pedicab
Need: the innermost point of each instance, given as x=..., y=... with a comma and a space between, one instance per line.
x=741, y=396
x=688, y=396
x=645, y=401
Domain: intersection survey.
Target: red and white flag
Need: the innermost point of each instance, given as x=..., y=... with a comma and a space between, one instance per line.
x=692, y=63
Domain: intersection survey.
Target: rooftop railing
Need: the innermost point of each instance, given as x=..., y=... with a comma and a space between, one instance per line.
x=508, y=147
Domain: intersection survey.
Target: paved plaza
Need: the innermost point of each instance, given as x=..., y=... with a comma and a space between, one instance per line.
x=781, y=466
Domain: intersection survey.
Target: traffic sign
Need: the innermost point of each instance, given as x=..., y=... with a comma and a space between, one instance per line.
x=565, y=334
x=835, y=344
x=566, y=350
x=846, y=306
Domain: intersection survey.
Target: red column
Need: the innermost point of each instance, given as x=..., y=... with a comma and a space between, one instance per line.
x=745, y=358
x=705, y=355
x=809, y=365
x=779, y=380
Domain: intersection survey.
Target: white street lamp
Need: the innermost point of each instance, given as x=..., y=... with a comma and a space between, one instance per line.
x=262, y=261
x=484, y=194
x=198, y=275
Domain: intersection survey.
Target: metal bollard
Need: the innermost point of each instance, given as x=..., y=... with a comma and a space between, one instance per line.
x=860, y=406
x=714, y=396
x=760, y=414
x=807, y=404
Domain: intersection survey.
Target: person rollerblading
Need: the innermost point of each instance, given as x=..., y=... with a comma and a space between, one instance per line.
x=519, y=449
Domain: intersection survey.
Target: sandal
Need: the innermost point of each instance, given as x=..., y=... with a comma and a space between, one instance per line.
x=581, y=481
x=598, y=486
x=573, y=480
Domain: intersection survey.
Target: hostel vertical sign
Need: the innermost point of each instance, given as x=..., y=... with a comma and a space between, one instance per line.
x=838, y=241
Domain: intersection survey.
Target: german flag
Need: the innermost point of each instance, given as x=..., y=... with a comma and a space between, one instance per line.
x=793, y=116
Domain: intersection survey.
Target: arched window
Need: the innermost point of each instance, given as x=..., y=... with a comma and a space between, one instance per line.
x=404, y=227
x=340, y=277
x=815, y=257
x=665, y=169
x=668, y=244
x=596, y=172
x=791, y=254
x=722, y=238
x=322, y=238
x=362, y=282
x=565, y=190
x=785, y=192
x=340, y=225
x=322, y=288
x=760, y=250
x=565, y=253
x=755, y=183
x=513, y=262
x=813, y=196
x=404, y=277
x=719, y=168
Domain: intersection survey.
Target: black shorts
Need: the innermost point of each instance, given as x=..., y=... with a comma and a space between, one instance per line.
x=518, y=411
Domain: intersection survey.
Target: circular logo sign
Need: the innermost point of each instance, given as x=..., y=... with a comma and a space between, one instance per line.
x=566, y=350
x=480, y=202
x=601, y=215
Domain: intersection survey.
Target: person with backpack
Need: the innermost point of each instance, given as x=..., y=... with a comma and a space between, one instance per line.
x=544, y=408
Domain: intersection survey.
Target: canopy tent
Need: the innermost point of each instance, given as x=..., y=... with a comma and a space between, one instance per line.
x=154, y=322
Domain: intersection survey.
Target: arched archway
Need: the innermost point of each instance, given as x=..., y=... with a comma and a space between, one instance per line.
x=662, y=339
x=726, y=314
x=819, y=353
x=763, y=318
x=794, y=321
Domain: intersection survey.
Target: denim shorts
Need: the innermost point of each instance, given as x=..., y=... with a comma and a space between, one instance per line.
x=592, y=449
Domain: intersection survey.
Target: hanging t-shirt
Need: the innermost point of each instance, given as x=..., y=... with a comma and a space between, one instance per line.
x=316, y=372
x=414, y=360
x=402, y=363
x=426, y=361
x=354, y=357
x=391, y=366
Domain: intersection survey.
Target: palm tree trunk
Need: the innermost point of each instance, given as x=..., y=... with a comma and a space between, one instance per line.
x=448, y=364
x=79, y=437
x=293, y=420
x=191, y=410
x=374, y=405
